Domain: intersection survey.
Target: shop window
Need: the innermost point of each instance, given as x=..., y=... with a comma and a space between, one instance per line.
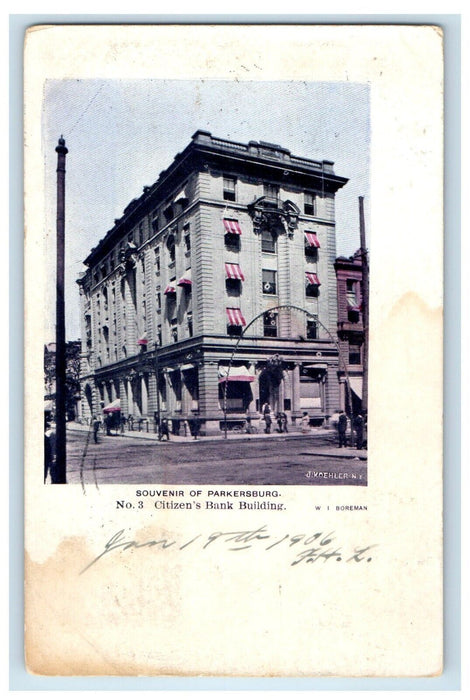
x=269, y=282
x=270, y=324
x=309, y=204
x=310, y=392
x=229, y=186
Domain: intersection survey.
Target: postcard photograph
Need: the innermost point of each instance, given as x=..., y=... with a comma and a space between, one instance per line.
x=216, y=281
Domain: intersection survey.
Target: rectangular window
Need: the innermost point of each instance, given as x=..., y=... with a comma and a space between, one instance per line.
x=309, y=204
x=155, y=225
x=269, y=282
x=157, y=260
x=268, y=242
x=271, y=191
x=311, y=329
x=168, y=214
x=354, y=354
x=174, y=330
x=190, y=325
x=270, y=324
x=230, y=188
x=187, y=238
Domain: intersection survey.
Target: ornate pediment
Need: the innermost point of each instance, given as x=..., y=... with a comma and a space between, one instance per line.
x=127, y=257
x=269, y=213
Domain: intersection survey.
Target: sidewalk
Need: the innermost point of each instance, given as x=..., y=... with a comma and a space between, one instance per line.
x=294, y=434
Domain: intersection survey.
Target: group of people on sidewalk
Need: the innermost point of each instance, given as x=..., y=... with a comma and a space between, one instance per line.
x=281, y=419
x=164, y=427
x=358, y=426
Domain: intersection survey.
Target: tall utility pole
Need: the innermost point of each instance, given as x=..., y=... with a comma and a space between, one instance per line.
x=157, y=375
x=365, y=307
x=59, y=473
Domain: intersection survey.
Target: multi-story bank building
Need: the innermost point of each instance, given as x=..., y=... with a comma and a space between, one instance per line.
x=210, y=259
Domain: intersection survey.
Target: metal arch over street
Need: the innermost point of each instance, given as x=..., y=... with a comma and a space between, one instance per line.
x=291, y=307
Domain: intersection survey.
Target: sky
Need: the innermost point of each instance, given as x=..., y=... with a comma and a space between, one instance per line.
x=122, y=134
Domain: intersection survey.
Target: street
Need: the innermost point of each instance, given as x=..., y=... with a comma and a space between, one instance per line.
x=274, y=459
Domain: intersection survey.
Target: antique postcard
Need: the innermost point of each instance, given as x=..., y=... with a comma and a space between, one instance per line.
x=233, y=324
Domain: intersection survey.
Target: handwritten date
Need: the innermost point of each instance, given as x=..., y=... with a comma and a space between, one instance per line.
x=315, y=547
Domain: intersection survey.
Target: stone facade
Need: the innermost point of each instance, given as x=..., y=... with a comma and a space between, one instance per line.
x=229, y=233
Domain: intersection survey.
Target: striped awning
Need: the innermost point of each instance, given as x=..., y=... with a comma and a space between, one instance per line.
x=312, y=278
x=236, y=374
x=235, y=317
x=233, y=271
x=113, y=407
x=232, y=226
x=143, y=340
x=312, y=239
x=185, y=279
x=355, y=307
x=170, y=288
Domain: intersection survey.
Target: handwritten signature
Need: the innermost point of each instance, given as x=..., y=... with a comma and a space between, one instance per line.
x=317, y=545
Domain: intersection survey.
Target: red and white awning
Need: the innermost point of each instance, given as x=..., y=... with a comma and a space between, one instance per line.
x=232, y=226
x=185, y=279
x=236, y=374
x=233, y=271
x=170, y=288
x=312, y=239
x=143, y=340
x=312, y=278
x=113, y=407
x=235, y=317
x=355, y=307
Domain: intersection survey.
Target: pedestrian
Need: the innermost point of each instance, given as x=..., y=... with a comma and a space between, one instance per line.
x=342, y=426
x=359, y=428
x=284, y=423
x=108, y=423
x=96, y=427
x=48, y=448
x=279, y=422
x=164, y=430
x=305, y=423
x=49, y=451
x=266, y=410
x=196, y=427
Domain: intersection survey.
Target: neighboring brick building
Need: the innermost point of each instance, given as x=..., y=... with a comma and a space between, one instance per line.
x=228, y=231
x=350, y=327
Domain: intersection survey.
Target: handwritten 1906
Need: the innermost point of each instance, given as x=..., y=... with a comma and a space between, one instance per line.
x=317, y=547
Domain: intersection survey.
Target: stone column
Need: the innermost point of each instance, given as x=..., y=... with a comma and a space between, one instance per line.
x=186, y=400
x=254, y=391
x=210, y=411
x=123, y=396
x=296, y=412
